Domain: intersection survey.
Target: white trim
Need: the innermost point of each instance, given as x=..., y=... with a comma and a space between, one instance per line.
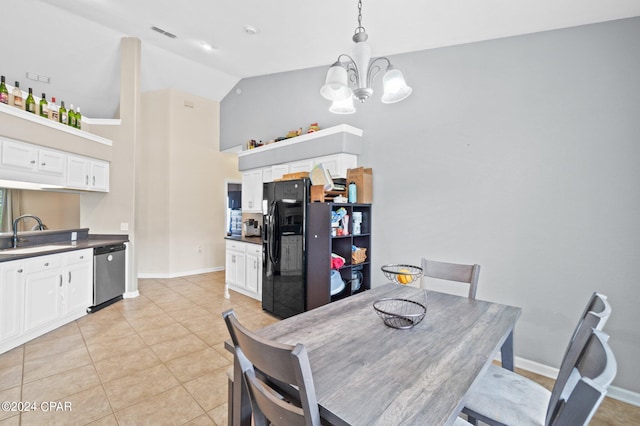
x=615, y=392
x=102, y=121
x=180, y=274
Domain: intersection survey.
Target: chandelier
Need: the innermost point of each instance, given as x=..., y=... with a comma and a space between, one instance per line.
x=352, y=76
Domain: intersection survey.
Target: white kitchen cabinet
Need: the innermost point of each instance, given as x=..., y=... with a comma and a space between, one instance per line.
x=252, y=191
x=267, y=174
x=253, y=275
x=31, y=163
x=301, y=166
x=78, y=277
x=11, y=299
x=235, y=264
x=244, y=268
x=337, y=164
x=25, y=162
x=87, y=174
x=41, y=293
x=278, y=171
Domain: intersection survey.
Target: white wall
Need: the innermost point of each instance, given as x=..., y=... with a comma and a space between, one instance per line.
x=520, y=154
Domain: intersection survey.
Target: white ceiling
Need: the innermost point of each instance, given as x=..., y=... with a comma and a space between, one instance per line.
x=293, y=34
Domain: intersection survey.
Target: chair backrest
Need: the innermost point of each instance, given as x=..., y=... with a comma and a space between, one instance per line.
x=594, y=317
x=587, y=385
x=284, y=364
x=452, y=272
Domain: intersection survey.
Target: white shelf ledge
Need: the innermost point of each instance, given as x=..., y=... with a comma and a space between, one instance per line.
x=34, y=118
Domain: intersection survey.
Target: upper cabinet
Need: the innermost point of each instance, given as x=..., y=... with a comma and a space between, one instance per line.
x=55, y=156
x=252, y=191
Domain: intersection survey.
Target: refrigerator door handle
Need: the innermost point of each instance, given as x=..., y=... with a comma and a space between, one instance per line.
x=270, y=232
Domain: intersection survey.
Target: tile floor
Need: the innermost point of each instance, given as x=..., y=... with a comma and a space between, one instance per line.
x=154, y=360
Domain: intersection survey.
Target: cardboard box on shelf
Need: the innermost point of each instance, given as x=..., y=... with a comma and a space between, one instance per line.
x=363, y=179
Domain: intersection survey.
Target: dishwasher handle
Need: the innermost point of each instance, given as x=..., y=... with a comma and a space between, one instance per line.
x=109, y=249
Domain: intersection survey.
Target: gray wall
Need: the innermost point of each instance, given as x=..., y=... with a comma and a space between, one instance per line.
x=520, y=154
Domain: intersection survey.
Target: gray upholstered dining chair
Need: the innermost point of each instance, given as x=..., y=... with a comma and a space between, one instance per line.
x=267, y=367
x=468, y=274
x=502, y=397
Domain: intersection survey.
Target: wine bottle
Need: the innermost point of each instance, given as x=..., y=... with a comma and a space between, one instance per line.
x=62, y=113
x=44, y=106
x=72, y=116
x=17, y=96
x=4, y=93
x=30, y=103
x=53, y=110
x=78, y=119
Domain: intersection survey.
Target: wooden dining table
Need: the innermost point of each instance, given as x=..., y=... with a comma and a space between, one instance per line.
x=367, y=373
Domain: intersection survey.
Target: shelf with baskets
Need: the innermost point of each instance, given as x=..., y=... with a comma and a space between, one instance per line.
x=330, y=247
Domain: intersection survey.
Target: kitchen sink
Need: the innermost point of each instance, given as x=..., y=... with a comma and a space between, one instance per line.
x=34, y=249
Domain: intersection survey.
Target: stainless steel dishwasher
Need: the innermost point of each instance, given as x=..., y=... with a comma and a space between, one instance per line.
x=108, y=275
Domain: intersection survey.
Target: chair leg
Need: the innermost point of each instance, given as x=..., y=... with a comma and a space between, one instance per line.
x=230, y=402
x=472, y=420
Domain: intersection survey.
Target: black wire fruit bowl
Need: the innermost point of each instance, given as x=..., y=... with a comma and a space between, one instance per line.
x=399, y=313
x=402, y=274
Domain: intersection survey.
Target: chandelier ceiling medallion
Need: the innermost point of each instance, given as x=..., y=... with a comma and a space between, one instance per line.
x=352, y=76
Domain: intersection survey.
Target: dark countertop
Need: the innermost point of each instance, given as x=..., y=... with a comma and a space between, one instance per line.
x=252, y=240
x=94, y=240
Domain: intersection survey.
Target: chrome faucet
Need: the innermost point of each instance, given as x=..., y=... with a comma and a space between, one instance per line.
x=15, y=226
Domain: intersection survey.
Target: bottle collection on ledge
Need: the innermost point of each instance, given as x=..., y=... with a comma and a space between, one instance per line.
x=43, y=108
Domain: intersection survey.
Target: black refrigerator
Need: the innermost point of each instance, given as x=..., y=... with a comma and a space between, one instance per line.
x=284, y=209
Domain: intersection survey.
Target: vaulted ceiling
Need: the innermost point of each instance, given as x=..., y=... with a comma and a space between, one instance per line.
x=75, y=42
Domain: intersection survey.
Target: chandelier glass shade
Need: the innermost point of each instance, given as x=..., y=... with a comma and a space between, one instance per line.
x=352, y=76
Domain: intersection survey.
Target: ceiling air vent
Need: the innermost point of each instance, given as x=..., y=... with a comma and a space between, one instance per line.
x=163, y=32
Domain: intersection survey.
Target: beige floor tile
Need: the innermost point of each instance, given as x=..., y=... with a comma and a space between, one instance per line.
x=209, y=390
x=126, y=364
x=199, y=323
x=39, y=349
x=151, y=322
x=10, y=376
x=106, y=330
x=197, y=364
x=10, y=395
x=203, y=420
x=220, y=415
x=223, y=351
x=164, y=333
x=54, y=364
x=172, y=407
x=85, y=407
x=109, y=420
x=12, y=357
x=131, y=389
x=215, y=334
x=61, y=385
x=178, y=347
x=191, y=312
x=65, y=330
x=100, y=349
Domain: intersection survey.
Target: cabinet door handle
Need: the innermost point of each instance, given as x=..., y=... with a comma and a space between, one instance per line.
x=60, y=280
x=43, y=164
x=86, y=179
x=81, y=257
x=20, y=270
x=33, y=161
x=46, y=264
x=69, y=277
x=94, y=181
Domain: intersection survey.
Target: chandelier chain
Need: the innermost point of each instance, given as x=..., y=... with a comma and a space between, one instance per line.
x=360, y=28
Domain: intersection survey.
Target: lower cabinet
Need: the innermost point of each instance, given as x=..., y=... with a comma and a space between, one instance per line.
x=42, y=293
x=243, y=268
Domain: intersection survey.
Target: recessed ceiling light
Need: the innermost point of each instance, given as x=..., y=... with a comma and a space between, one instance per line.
x=251, y=30
x=206, y=46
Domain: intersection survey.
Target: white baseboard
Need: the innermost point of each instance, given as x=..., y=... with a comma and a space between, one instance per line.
x=131, y=294
x=615, y=392
x=180, y=274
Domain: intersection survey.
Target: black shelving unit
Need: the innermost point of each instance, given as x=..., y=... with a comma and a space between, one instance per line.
x=321, y=243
